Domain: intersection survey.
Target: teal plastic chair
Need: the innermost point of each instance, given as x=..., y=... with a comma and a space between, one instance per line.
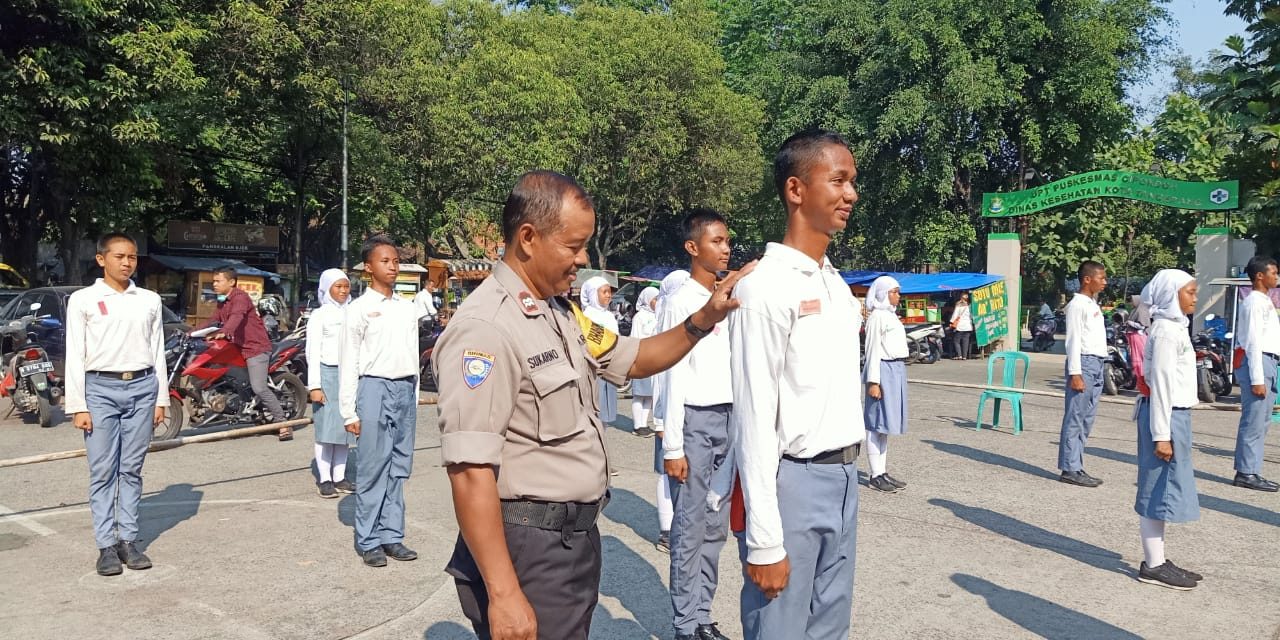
x=1008, y=377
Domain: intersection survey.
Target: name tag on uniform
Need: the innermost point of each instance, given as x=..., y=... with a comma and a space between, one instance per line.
x=102, y=307
x=810, y=307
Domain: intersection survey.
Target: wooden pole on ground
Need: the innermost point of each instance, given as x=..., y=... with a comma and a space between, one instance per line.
x=1051, y=394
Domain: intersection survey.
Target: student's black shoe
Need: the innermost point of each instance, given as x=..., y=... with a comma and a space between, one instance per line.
x=1079, y=478
x=1086, y=474
x=894, y=481
x=664, y=542
x=400, y=552
x=643, y=432
x=109, y=562
x=709, y=632
x=374, y=557
x=344, y=486
x=326, y=489
x=1190, y=574
x=686, y=636
x=1165, y=575
x=131, y=557
x=880, y=483
x=1255, y=482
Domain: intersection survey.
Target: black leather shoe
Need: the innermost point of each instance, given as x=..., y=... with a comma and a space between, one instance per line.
x=1079, y=478
x=131, y=557
x=709, y=632
x=109, y=562
x=398, y=551
x=1086, y=474
x=1255, y=482
x=894, y=481
x=374, y=557
x=881, y=483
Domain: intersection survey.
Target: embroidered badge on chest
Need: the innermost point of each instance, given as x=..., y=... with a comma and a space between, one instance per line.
x=476, y=367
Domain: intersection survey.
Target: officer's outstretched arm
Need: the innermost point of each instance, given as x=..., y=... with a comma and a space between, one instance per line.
x=661, y=352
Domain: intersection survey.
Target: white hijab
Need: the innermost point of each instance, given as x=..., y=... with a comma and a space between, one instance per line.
x=878, y=295
x=590, y=299
x=1161, y=295
x=327, y=279
x=644, y=300
x=669, y=286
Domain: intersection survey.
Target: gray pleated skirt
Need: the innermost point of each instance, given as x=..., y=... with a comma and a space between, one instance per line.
x=889, y=413
x=1166, y=490
x=327, y=417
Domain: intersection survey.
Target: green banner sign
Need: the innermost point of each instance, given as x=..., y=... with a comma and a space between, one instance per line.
x=989, y=308
x=1204, y=196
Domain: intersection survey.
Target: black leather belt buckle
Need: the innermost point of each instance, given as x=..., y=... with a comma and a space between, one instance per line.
x=124, y=375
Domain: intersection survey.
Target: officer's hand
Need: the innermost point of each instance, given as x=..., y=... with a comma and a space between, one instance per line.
x=159, y=416
x=83, y=421
x=511, y=618
x=770, y=578
x=873, y=390
x=677, y=468
x=317, y=396
x=1260, y=390
x=722, y=301
x=1164, y=451
x=354, y=428
x=1077, y=383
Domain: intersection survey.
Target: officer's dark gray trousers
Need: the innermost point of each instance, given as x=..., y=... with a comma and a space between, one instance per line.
x=697, y=532
x=1078, y=415
x=561, y=580
x=819, y=507
x=1255, y=416
x=388, y=412
x=257, y=366
x=123, y=413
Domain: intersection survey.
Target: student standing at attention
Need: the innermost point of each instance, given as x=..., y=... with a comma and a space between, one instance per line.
x=117, y=391
x=324, y=353
x=886, y=376
x=1086, y=349
x=1259, y=338
x=643, y=325
x=595, y=297
x=666, y=510
x=379, y=401
x=797, y=413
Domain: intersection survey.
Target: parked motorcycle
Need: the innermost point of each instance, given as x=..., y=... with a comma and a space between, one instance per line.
x=29, y=380
x=1213, y=376
x=429, y=330
x=924, y=343
x=290, y=354
x=209, y=377
x=1042, y=334
x=1117, y=370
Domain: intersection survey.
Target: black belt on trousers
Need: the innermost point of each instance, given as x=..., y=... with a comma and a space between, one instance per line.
x=123, y=375
x=553, y=516
x=836, y=456
x=1272, y=356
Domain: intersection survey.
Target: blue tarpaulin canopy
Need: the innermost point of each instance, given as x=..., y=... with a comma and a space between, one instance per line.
x=652, y=272
x=924, y=283
x=191, y=263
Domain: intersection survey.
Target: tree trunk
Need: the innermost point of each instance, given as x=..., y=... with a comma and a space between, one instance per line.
x=300, y=197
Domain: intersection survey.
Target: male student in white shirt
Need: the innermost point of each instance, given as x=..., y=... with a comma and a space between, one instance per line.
x=797, y=405
x=117, y=389
x=1259, y=336
x=1086, y=351
x=379, y=393
x=696, y=441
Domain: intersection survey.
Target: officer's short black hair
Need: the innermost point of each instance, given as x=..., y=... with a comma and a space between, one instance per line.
x=796, y=157
x=1089, y=268
x=228, y=273
x=697, y=220
x=536, y=199
x=1257, y=266
x=107, y=239
x=373, y=242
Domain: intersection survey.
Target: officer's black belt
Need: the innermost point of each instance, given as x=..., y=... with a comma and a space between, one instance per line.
x=846, y=455
x=122, y=375
x=552, y=516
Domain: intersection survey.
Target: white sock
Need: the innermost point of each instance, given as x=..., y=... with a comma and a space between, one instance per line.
x=324, y=462
x=877, y=452
x=640, y=411
x=339, y=462
x=1152, y=541
x=666, y=513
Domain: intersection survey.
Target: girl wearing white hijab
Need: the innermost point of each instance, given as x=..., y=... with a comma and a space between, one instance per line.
x=1166, y=478
x=595, y=296
x=643, y=324
x=324, y=352
x=885, y=374
x=666, y=511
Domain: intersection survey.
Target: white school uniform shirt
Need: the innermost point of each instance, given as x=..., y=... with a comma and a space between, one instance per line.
x=1259, y=331
x=886, y=340
x=1170, y=370
x=118, y=331
x=700, y=379
x=425, y=304
x=794, y=345
x=1086, y=331
x=380, y=338
x=324, y=341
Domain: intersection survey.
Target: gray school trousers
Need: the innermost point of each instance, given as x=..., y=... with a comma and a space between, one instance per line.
x=697, y=532
x=123, y=417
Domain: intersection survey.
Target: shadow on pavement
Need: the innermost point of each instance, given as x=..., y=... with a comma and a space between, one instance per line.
x=1037, y=615
x=992, y=458
x=160, y=512
x=638, y=514
x=1240, y=509
x=448, y=631
x=1037, y=537
x=1129, y=458
x=636, y=584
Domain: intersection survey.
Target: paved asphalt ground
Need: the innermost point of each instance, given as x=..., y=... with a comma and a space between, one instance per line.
x=985, y=543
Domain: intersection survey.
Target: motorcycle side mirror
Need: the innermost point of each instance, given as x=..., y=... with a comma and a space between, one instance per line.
x=1210, y=317
x=35, y=306
x=1229, y=335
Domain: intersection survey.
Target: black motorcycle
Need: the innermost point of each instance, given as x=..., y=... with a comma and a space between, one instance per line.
x=29, y=379
x=1042, y=334
x=1117, y=370
x=429, y=331
x=1213, y=359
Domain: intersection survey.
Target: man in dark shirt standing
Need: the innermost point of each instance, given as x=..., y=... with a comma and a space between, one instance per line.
x=242, y=325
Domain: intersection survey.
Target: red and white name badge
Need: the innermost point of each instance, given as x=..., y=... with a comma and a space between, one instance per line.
x=810, y=307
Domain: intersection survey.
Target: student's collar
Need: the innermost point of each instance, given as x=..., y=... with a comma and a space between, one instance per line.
x=106, y=288
x=796, y=259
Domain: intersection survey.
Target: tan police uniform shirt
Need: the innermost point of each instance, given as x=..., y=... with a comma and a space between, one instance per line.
x=517, y=379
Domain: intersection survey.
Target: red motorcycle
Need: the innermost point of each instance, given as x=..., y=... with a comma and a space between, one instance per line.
x=209, y=377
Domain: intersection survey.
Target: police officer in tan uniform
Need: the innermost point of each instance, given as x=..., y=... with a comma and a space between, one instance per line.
x=522, y=436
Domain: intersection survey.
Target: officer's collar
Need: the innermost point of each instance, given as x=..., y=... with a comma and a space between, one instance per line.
x=517, y=289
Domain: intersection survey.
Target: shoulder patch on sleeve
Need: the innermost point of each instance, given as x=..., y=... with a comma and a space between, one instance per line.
x=600, y=341
x=476, y=367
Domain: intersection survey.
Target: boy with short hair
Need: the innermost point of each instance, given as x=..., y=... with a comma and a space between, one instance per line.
x=1086, y=351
